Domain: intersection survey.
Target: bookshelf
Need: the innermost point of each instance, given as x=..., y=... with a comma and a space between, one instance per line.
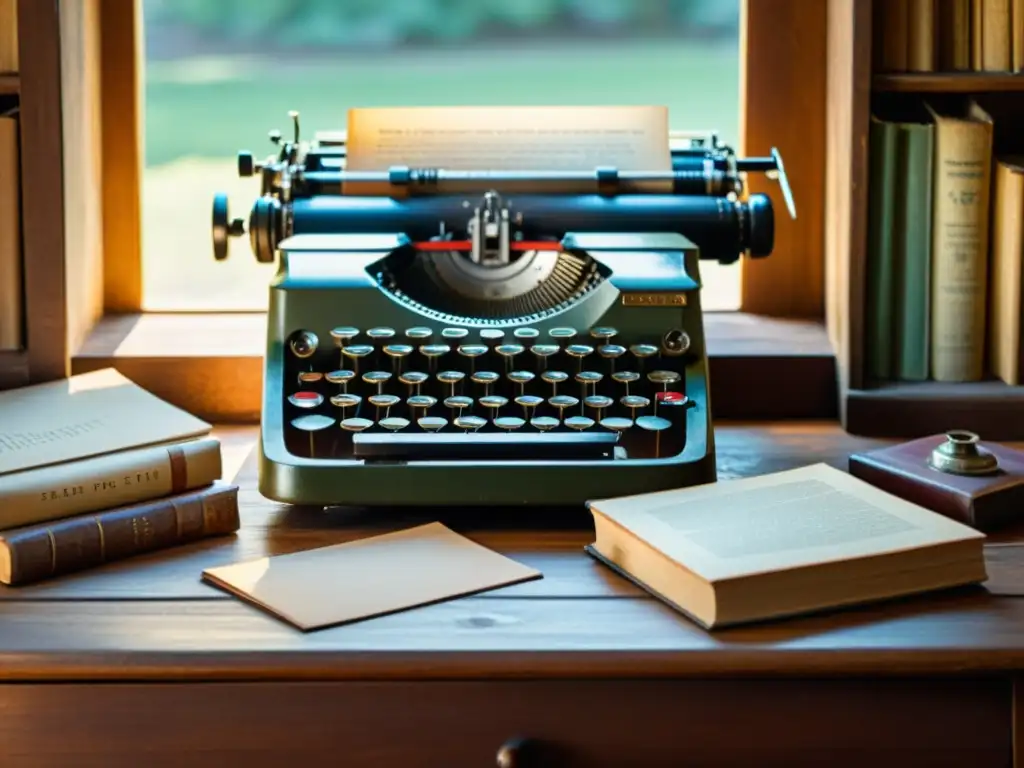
x=34, y=89
x=894, y=408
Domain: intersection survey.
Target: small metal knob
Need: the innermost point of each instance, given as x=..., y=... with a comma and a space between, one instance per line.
x=676, y=342
x=246, y=164
x=960, y=454
x=520, y=752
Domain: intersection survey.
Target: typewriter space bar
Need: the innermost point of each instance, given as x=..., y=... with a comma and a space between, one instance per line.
x=550, y=446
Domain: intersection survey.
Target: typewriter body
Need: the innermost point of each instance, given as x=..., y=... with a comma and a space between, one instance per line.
x=475, y=338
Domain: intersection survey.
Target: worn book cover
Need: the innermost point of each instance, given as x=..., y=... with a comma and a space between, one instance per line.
x=91, y=414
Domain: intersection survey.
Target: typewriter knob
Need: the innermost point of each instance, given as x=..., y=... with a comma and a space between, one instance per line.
x=246, y=164
x=224, y=226
x=760, y=226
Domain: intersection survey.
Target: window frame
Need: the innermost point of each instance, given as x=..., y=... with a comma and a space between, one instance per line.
x=783, y=76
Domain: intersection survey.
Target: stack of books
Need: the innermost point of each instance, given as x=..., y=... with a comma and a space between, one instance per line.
x=95, y=469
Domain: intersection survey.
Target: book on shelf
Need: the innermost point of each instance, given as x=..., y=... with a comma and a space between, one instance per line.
x=94, y=468
x=11, y=281
x=783, y=544
x=9, y=49
x=948, y=36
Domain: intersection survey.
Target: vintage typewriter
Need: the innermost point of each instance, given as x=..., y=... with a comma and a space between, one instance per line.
x=456, y=343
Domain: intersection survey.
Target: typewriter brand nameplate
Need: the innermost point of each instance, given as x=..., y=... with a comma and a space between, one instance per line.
x=654, y=299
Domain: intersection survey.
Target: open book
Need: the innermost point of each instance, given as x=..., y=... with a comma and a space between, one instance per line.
x=782, y=544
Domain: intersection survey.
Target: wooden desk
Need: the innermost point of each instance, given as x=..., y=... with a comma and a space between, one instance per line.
x=140, y=664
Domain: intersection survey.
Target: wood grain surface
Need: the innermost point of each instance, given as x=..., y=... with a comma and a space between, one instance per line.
x=151, y=616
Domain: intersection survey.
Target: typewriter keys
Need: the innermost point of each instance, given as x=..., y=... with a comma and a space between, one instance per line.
x=544, y=351
x=634, y=403
x=309, y=377
x=451, y=378
x=421, y=402
x=470, y=423
x=544, y=423
x=626, y=377
x=554, y=378
x=454, y=333
x=343, y=334
x=522, y=378
x=346, y=400
x=306, y=399
x=311, y=423
x=472, y=351
x=604, y=332
x=528, y=402
x=432, y=423
x=418, y=333
x=494, y=402
x=598, y=403
x=562, y=333
x=413, y=379
x=396, y=352
x=356, y=424
x=663, y=377
x=379, y=334
x=654, y=424
x=487, y=378
x=458, y=403
x=383, y=401
x=509, y=423
x=434, y=351
x=380, y=378
x=616, y=424
x=526, y=333
x=579, y=423
x=340, y=377
x=509, y=352
x=356, y=352
x=561, y=402
x=394, y=423
x=492, y=334
x=643, y=351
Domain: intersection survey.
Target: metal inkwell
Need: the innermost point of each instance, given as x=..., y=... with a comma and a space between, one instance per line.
x=961, y=454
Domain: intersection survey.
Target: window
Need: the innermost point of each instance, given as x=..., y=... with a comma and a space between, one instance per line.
x=218, y=75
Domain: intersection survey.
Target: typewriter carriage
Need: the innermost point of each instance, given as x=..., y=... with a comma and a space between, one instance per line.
x=386, y=310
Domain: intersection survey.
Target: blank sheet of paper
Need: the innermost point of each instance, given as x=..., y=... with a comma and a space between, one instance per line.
x=369, y=577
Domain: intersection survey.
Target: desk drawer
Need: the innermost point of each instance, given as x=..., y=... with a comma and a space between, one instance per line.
x=627, y=724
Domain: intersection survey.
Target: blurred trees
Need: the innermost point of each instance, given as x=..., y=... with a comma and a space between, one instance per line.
x=306, y=23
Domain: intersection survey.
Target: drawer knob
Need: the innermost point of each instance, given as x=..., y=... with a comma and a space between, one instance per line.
x=523, y=753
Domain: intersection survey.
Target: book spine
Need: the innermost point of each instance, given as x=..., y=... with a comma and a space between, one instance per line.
x=977, y=36
x=921, y=45
x=996, y=36
x=102, y=482
x=1017, y=35
x=75, y=544
x=890, y=24
x=914, y=226
x=10, y=237
x=954, y=31
x=884, y=185
x=962, y=172
x=1007, y=266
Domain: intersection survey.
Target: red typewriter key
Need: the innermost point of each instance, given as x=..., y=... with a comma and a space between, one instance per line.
x=671, y=398
x=306, y=399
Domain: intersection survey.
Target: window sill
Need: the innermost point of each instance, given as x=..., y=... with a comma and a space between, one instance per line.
x=212, y=364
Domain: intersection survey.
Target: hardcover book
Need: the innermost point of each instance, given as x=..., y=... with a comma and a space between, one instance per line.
x=782, y=544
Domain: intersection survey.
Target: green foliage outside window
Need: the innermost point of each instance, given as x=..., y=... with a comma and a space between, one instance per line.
x=295, y=23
